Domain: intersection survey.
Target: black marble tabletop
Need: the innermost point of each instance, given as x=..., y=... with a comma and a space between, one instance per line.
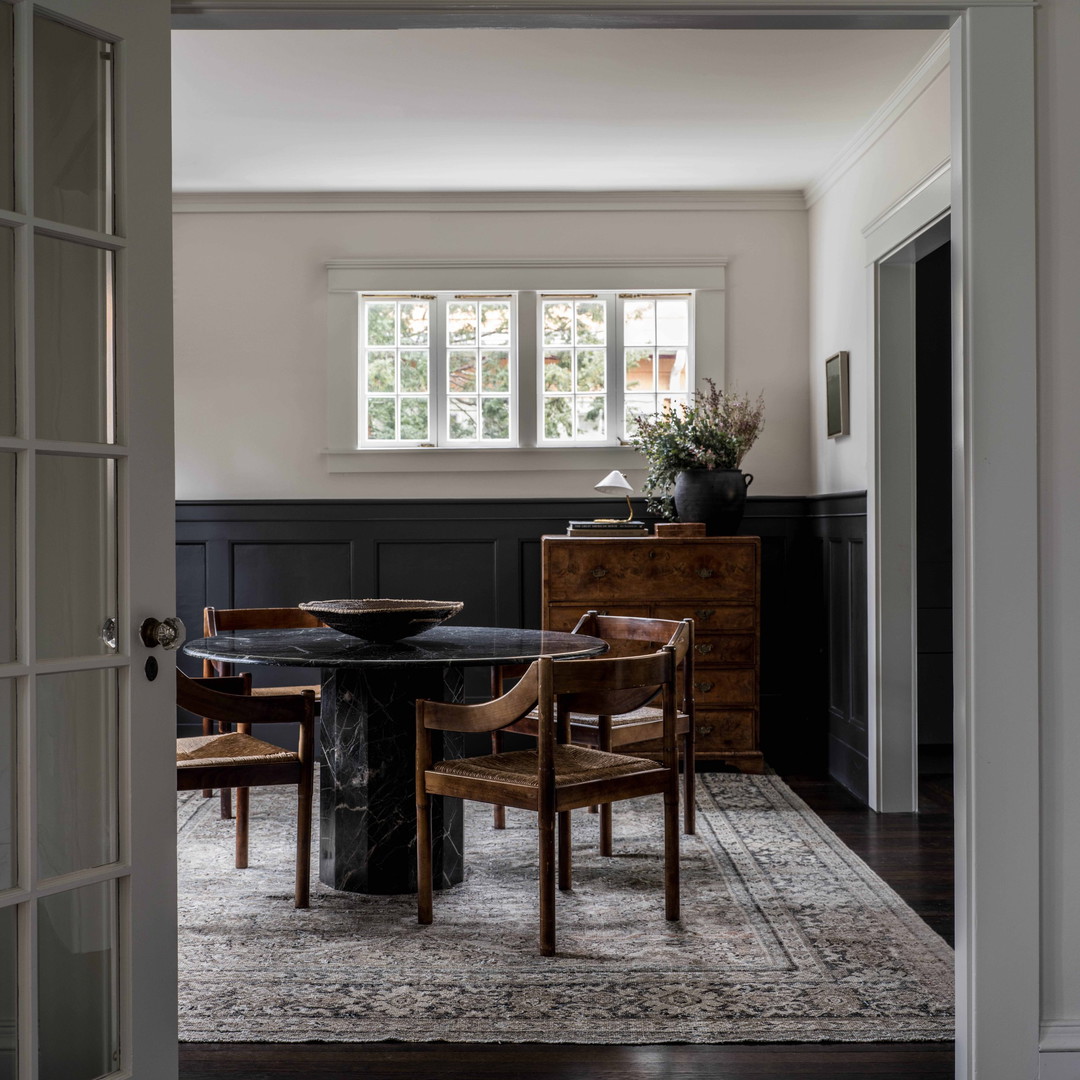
x=326, y=648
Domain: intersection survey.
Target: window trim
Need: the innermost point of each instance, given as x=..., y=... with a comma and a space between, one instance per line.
x=348, y=278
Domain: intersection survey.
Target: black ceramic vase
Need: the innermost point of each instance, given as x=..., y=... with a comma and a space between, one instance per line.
x=715, y=496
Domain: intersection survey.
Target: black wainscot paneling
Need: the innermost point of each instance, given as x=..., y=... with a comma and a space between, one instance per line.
x=487, y=553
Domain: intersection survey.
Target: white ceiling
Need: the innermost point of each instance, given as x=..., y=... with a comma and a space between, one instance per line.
x=525, y=110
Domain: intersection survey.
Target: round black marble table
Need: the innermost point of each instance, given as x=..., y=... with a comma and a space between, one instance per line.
x=367, y=840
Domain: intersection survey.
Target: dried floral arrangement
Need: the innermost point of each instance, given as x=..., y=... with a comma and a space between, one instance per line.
x=714, y=431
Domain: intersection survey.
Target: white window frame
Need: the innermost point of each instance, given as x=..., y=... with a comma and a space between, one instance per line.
x=349, y=279
x=438, y=395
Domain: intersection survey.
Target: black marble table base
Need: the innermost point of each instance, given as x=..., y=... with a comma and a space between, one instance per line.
x=368, y=787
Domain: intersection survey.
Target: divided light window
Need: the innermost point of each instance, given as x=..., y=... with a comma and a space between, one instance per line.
x=437, y=370
x=442, y=369
x=608, y=357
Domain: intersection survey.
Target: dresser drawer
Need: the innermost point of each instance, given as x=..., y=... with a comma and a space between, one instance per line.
x=709, y=616
x=565, y=617
x=721, y=687
x=728, y=650
x=717, y=732
x=728, y=730
x=595, y=569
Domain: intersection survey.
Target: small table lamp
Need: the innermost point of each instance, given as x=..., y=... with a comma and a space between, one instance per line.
x=616, y=484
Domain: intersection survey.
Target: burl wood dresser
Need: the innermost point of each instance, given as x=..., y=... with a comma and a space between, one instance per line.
x=715, y=581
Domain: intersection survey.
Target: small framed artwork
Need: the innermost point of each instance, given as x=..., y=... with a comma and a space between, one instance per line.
x=836, y=395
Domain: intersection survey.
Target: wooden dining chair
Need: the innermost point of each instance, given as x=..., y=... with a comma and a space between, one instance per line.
x=233, y=758
x=556, y=777
x=220, y=620
x=613, y=730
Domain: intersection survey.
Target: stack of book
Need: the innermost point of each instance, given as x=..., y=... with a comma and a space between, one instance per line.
x=607, y=528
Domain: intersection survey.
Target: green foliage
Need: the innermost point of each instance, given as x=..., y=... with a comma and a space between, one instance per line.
x=714, y=431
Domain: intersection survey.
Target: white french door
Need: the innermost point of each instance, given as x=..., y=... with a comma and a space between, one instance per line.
x=87, y=869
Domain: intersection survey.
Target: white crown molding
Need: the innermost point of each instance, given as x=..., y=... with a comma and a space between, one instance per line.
x=388, y=202
x=894, y=107
x=466, y=262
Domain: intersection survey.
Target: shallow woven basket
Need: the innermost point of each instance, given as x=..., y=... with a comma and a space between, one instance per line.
x=383, y=620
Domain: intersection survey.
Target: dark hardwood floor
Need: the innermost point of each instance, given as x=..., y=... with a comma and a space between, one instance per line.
x=912, y=852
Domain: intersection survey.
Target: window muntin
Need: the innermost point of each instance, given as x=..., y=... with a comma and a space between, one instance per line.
x=575, y=360
x=479, y=372
x=395, y=370
x=656, y=336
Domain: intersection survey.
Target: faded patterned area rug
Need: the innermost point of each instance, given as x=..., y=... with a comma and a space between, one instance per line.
x=786, y=936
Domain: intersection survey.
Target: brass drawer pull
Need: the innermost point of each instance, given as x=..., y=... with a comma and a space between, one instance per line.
x=599, y=572
x=705, y=613
x=703, y=687
x=704, y=729
x=704, y=648
x=705, y=573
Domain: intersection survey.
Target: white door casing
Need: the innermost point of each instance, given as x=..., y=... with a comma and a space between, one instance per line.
x=995, y=462
x=121, y=901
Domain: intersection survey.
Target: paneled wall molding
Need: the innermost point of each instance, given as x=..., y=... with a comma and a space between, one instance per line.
x=1057, y=1036
x=891, y=110
x=487, y=552
x=396, y=202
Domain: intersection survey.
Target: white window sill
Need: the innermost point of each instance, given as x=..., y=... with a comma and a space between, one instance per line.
x=523, y=459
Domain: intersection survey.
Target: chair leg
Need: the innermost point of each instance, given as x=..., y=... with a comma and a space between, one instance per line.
x=242, y=804
x=671, y=850
x=207, y=727
x=605, y=829
x=547, y=883
x=423, y=859
x=566, y=857
x=304, y=795
x=689, y=784
x=226, y=803
x=499, y=812
x=604, y=733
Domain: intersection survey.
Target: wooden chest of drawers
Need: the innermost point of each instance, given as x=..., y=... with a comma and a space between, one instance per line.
x=715, y=581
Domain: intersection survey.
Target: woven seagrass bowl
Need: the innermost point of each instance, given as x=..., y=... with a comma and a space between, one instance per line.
x=383, y=620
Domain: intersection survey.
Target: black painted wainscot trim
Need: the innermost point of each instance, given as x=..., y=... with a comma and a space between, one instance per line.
x=487, y=552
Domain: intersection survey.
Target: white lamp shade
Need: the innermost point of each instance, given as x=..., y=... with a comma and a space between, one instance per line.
x=614, y=484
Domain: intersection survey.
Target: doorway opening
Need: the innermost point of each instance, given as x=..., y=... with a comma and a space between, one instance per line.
x=933, y=513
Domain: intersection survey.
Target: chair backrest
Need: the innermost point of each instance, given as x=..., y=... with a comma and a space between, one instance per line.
x=619, y=629
x=217, y=620
x=568, y=681
x=199, y=697
x=629, y=628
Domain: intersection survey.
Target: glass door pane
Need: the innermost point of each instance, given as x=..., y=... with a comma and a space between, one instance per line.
x=76, y=554
x=72, y=136
x=7, y=327
x=7, y=557
x=78, y=1036
x=8, y=868
x=9, y=996
x=73, y=341
x=7, y=107
x=76, y=767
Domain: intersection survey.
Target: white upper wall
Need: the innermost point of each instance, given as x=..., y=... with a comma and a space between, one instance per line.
x=841, y=303
x=251, y=336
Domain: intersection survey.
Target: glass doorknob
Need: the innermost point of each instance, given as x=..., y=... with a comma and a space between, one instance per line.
x=169, y=633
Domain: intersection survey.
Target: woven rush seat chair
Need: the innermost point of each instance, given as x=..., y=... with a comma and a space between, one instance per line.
x=557, y=777
x=235, y=759
x=613, y=730
x=221, y=620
